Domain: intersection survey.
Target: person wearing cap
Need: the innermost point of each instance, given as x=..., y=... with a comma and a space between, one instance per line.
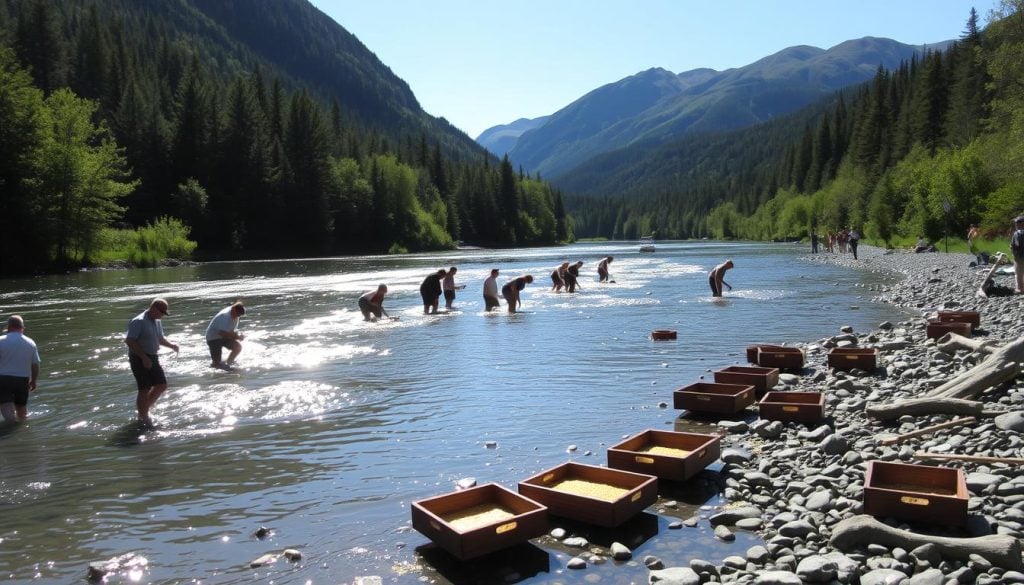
x=222, y=332
x=19, y=369
x=491, y=300
x=1017, y=249
x=372, y=303
x=716, y=278
x=144, y=338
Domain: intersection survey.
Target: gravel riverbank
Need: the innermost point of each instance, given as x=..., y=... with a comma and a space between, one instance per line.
x=803, y=481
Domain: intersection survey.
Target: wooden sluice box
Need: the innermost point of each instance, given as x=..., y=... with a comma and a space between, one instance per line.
x=713, y=397
x=804, y=407
x=762, y=379
x=848, y=358
x=972, y=317
x=776, y=356
x=666, y=454
x=479, y=520
x=923, y=493
x=596, y=495
x=936, y=329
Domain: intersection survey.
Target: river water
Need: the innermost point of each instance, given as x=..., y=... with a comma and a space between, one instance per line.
x=332, y=426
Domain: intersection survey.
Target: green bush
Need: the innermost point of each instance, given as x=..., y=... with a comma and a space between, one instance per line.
x=167, y=237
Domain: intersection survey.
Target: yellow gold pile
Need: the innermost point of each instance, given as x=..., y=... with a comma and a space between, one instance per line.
x=590, y=489
x=666, y=451
x=477, y=516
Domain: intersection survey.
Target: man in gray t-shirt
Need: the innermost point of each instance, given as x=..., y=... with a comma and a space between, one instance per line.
x=144, y=338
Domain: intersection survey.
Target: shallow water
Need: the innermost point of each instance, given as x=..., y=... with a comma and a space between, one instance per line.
x=332, y=426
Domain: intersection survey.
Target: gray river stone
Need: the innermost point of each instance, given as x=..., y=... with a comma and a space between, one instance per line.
x=675, y=576
x=816, y=434
x=978, y=482
x=777, y=578
x=882, y=577
x=820, y=501
x=735, y=456
x=797, y=528
x=722, y=532
x=1011, y=421
x=576, y=541
x=621, y=552
x=817, y=569
x=928, y=577
x=576, y=563
x=834, y=445
x=730, y=516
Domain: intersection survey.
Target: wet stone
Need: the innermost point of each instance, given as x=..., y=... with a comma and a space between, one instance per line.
x=777, y=578
x=576, y=563
x=723, y=533
x=675, y=576
x=621, y=552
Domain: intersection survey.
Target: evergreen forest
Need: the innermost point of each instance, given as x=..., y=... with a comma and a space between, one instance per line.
x=170, y=126
x=924, y=150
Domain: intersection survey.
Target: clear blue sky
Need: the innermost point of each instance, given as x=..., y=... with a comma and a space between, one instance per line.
x=482, y=63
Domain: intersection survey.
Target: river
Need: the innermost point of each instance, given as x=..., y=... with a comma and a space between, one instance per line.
x=332, y=426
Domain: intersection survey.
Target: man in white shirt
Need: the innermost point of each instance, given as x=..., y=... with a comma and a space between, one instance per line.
x=222, y=333
x=19, y=369
x=491, y=300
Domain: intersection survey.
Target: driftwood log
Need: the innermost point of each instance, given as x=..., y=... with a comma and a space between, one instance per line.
x=922, y=406
x=1000, y=550
x=892, y=440
x=951, y=342
x=970, y=458
x=995, y=266
x=1001, y=366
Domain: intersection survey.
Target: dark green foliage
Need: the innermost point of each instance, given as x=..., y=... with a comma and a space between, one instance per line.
x=263, y=125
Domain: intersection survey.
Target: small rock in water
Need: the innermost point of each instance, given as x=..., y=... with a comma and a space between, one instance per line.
x=576, y=563
x=491, y=444
x=571, y=448
x=465, y=483
x=722, y=532
x=292, y=554
x=621, y=552
x=267, y=559
x=262, y=532
x=557, y=533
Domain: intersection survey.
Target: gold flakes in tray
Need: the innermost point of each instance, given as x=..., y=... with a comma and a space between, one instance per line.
x=666, y=451
x=477, y=516
x=590, y=489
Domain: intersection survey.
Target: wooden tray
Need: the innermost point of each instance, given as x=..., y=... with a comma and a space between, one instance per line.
x=762, y=379
x=792, y=406
x=640, y=491
x=752, y=350
x=663, y=334
x=634, y=454
x=923, y=493
x=435, y=518
x=784, y=358
x=713, y=397
x=937, y=329
x=972, y=317
x=848, y=358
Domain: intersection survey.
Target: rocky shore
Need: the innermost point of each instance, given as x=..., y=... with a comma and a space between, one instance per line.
x=804, y=484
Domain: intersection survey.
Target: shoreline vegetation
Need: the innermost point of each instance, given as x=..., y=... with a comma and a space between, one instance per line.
x=805, y=484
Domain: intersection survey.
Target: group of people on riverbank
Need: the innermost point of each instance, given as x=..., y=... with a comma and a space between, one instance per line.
x=843, y=240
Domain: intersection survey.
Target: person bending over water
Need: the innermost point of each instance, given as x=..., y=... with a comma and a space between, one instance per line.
x=222, y=332
x=602, y=268
x=430, y=290
x=716, y=278
x=572, y=276
x=558, y=277
x=372, y=303
x=512, y=289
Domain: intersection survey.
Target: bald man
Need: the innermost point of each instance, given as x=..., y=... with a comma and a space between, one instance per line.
x=19, y=369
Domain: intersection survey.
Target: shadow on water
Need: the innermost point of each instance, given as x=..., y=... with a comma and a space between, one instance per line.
x=510, y=565
x=8, y=429
x=131, y=434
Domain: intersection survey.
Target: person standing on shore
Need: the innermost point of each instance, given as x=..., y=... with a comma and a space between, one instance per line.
x=144, y=338
x=430, y=290
x=814, y=242
x=972, y=235
x=222, y=332
x=491, y=300
x=19, y=369
x=716, y=278
x=602, y=268
x=853, y=237
x=371, y=304
x=449, y=287
x=512, y=289
x=1017, y=249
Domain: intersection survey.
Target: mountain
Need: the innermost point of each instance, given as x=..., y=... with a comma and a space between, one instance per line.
x=500, y=139
x=657, y=106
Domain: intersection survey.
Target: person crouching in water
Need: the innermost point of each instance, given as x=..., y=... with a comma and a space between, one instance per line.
x=222, y=332
x=558, y=277
x=512, y=289
x=602, y=268
x=430, y=290
x=372, y=303
x=716, y=278
x=572, y=276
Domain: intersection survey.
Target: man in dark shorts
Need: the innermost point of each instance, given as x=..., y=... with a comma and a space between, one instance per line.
x=602, y=268
x=144, y=338
x=430, y=290
x=223, y=332
x=512, y=289
x=19, y=369
x=716, y=278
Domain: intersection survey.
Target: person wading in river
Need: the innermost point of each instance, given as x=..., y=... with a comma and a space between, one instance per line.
x=716, y=278
x=19, y=368
x=144, y=338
